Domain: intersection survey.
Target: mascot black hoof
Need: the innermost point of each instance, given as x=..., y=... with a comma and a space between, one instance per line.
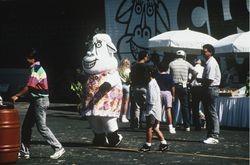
x=114, y=139
x=100, y=140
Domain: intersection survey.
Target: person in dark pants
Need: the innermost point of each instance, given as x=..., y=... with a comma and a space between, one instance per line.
x=138, y=89
x=211, y=79
x=196, y=90
x=37, y=87
x=180, y=70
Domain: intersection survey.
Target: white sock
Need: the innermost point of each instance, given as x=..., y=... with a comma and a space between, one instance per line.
x=148, y=144
x=163, y=142
x=170, y=126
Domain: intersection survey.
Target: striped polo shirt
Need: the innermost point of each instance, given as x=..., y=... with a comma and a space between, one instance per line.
x=179, y=69
x=37, y=82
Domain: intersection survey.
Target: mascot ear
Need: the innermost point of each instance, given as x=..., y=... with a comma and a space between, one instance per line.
x=111, y=47
x=106, y=38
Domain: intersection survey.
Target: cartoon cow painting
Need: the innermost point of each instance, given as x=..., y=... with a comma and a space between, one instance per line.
x=143, y=19
x=103, y=97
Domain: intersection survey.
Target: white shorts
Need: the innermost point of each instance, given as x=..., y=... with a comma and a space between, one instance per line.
x=166, y=99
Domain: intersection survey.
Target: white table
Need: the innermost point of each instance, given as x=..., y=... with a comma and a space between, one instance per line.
x=232, y=111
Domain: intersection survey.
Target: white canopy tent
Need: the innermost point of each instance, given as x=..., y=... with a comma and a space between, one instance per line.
x=188, y=40
x=233, y=52
x=235, y=43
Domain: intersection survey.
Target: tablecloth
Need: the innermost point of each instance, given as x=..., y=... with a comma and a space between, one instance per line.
x=232, y=111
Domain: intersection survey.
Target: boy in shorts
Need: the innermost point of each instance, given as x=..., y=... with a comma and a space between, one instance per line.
x=153, y=112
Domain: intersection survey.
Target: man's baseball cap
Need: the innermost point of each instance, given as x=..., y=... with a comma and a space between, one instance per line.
x=181, y=53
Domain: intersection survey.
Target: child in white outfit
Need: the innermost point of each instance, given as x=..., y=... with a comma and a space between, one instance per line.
x=153, y=112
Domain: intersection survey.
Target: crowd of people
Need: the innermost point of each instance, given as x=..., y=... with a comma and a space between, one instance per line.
x=153, y=92
x=147, y=90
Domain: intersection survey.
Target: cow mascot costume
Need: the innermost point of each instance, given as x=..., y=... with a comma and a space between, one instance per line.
x=103, y=95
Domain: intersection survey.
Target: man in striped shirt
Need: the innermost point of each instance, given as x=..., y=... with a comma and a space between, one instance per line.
x=37, y=87
x=180, y=69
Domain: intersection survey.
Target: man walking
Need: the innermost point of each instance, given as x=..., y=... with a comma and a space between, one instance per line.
x=37, y=87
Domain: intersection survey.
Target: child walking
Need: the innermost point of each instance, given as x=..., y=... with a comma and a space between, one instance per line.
x=153, y=112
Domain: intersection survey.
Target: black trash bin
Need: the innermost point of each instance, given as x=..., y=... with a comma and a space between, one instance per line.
x=9, y=133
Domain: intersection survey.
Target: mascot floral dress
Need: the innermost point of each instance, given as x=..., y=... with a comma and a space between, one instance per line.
x=103, y=96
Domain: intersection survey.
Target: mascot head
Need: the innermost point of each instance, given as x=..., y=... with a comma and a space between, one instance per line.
x=100, y=56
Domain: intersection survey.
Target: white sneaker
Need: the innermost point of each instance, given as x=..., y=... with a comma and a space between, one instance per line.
x=124, y=119
x=58, y=153
x=172, y=130
x=23, y=155
x=187, y=129
x=211, y=141
x=24, y=152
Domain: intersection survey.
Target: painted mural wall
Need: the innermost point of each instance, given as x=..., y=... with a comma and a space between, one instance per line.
x=131, y=23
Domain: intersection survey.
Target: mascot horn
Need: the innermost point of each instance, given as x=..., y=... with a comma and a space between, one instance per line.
x=103, y=97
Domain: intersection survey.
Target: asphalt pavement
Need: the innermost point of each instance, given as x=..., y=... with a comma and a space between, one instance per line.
x=185, y=147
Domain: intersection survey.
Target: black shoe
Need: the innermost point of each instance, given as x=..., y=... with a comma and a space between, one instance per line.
x=145, y=148
x=163, y=147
